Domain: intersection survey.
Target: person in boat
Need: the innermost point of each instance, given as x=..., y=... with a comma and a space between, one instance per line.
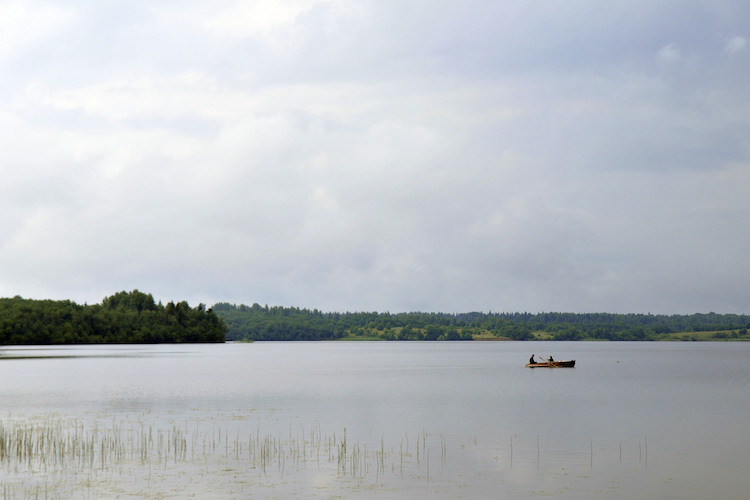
x=531, y=360
x=550, y=359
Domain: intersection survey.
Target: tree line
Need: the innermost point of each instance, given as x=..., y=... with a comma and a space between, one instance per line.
x=258, y=322
x=134, y=317
x=123, y=318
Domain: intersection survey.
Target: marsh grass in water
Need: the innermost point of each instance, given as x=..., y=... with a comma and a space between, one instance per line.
x=57, y=456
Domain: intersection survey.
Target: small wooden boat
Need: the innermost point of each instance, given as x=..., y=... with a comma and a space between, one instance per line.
x=553, y=364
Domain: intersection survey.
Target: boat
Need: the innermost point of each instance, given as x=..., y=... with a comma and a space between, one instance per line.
x=553, y=364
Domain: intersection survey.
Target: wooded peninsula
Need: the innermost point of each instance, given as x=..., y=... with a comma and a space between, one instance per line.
x=135, y=317
x=124, y=318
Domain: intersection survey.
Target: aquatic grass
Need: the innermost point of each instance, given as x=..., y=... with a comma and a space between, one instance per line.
x=65, y=454
x=74, y=446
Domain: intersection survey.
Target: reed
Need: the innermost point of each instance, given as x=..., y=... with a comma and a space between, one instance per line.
x=76, y=450
x=443, y=449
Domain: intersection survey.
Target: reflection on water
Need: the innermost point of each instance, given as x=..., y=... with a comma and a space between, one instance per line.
x=385, y=420
x=73, y=352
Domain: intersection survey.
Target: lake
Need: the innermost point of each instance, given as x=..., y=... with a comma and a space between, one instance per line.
x=375, y=420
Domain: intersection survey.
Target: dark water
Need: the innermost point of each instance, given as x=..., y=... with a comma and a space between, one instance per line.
x=637, y=420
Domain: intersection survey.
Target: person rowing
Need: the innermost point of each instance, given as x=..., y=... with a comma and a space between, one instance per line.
x=531, y=360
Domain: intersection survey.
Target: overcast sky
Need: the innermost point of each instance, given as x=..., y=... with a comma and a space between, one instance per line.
x=436, y=155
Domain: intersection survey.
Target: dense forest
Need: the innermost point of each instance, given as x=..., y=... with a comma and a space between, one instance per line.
x=134, y=317
x=123, y=318
x=289, y=323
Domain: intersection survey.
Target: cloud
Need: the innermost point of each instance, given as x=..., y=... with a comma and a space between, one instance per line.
x=669, y=53
x=23, y=24
x=259, y=19
x=369, y=156
x=735, y=45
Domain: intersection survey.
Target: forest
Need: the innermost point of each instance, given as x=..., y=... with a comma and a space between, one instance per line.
x=123, y=318
x=135, y=317
x=290, y=323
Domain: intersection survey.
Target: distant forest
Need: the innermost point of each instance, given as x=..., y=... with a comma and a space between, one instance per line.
x=289, y=323
x=123, y=318
x=134, y=317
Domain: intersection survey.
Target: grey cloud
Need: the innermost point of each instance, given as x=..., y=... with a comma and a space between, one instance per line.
x=375, y=156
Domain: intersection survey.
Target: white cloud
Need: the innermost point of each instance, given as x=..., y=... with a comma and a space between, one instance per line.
x=260, y=18
x=272, y=23
x=735, y=44
x=142, y=96
x=669, y=53
x=23, y=23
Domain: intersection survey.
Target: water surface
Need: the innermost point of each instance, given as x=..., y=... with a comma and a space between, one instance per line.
x=419, y=420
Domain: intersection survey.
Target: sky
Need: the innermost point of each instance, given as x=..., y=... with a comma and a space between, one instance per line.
x=379, y=155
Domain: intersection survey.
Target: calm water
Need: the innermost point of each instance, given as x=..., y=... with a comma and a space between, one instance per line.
x=416, y=420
